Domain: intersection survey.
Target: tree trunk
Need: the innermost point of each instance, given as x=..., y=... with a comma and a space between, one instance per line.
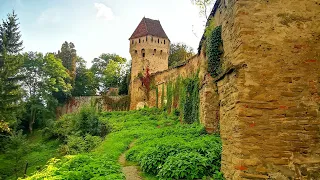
x=32, y=120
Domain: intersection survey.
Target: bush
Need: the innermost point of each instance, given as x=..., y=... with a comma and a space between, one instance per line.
x=188, y=165
x=79, y=144
x=79, y=124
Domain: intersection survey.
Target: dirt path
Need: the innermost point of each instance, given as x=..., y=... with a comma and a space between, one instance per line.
x=131, y=172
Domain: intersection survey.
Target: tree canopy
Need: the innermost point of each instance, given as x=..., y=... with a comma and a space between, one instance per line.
x=179, y=53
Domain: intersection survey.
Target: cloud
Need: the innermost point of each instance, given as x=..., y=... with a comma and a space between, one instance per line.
x=49, y=16
x=104, y=11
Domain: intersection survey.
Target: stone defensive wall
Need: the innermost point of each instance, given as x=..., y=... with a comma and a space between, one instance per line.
x=266, y=99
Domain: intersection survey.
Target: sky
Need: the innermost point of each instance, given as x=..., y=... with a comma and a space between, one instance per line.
x=100, y=26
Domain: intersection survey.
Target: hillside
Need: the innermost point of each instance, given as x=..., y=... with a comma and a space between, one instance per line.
x=161, y=147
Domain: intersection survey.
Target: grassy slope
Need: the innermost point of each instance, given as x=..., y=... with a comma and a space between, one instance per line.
x=102, y=163
x=40, y=151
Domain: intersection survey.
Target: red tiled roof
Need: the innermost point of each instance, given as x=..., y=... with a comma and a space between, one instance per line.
x=149, y=27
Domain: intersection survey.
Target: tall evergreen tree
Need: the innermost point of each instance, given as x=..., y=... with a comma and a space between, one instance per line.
x=10, y=65
x=9, y=30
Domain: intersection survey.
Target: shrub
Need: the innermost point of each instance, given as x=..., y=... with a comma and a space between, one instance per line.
x=84, y=122
x=188, y=165
x=79, y=144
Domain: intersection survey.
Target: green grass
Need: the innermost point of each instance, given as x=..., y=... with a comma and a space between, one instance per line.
x=39, y=152
x=148, y=128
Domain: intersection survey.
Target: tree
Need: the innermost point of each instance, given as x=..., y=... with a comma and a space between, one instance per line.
x=44, y=75
x=107, y=70
x=204, y=6
x=10, y=65
x=68, y=55
x=125, y=79
x=85, y=82
x=179, y=53
x=10, y=37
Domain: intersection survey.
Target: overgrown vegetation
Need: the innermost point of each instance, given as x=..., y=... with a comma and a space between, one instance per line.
x=183, y=98
x=163, y=148
x=214, y=51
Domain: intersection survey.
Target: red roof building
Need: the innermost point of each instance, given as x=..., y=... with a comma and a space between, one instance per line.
x=149, y=27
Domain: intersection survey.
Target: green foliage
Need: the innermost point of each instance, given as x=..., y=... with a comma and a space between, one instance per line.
x=188, y=165
x=85, y=82
x=34, y=150
x=107, y=70
x=10, y=36
x=79, y=144
x=191, y=106
x=214, y=52
x=125, y=80
x=68, y=55
x=157, y=97
x=10, y=65
x=86, y=121
x=43, y=75
x=179, y=53
x=209, y=28
x=16, y=148
x=169, y=96
x=162, y=97
x=160, y=141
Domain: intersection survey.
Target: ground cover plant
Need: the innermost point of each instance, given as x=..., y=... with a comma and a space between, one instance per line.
x=163, y=147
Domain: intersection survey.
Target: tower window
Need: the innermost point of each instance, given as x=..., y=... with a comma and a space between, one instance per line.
x=143, y=52
x=135, y=51
x=151, y=39
x=158, y=40
x=146, y=38
x=161, y=52
x=154, y=51
x=139, y=40
x=132, y=41
x=164, y=41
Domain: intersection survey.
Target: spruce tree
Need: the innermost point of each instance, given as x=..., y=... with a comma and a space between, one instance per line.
x=10, y=65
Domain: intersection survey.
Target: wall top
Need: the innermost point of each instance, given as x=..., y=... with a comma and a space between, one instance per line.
x=149, y=27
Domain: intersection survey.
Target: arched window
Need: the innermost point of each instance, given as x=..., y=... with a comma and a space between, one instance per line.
x=139, y=40
x=161, y=52
x=132, y=41
x=135, y=51
x=158, y=41
x=154, y=51
x=146, y=38
x=164, y=41
x=143, y=52
x=151, y=39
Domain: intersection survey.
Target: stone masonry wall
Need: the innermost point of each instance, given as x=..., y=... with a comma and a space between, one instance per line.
x=269, y=108
x=267, y=98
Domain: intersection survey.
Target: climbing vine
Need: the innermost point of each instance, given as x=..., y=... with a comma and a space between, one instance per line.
x=169, y=96
x=146, y=81
x=162, y=97
x=157, y=97
x=214, y=52
x=191, y=106
x=183, y=98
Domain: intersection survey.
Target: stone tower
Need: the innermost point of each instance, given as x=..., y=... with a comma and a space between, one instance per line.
x=149, y=48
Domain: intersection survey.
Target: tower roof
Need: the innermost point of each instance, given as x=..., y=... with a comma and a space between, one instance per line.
x=149, y=27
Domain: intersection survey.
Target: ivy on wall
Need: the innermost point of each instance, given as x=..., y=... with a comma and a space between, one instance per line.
x=162, y=97
x=183, y=98
x=169, y=96
x=214, y=51
x=157, y=97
